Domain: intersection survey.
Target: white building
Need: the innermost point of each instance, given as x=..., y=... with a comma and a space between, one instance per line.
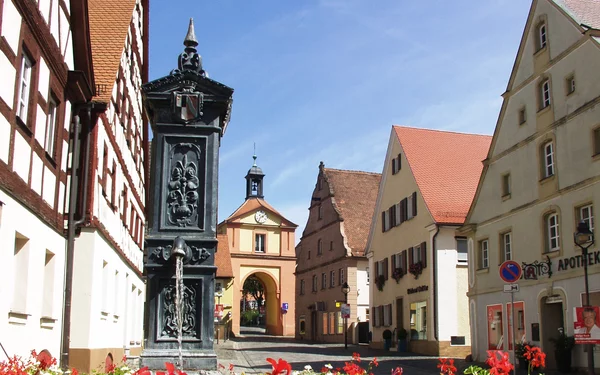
x=540, y=178
x=36, y=93
x=108, y=290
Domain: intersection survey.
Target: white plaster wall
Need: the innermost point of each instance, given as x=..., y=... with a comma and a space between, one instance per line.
x=8, y=73
x=36, y=173
x=11, y=26
x=44, y=80
x=99, y=321
x=362, y=301
x=19, y=336
x=5, y=130
x=22, y=152
x=562, y=32
x=44, y=6
x=54, y=22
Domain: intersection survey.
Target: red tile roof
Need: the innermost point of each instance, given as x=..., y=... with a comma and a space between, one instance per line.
x=109, y=25
x=583, y=11
x=252, y=204
x=354, y=196
x=223, y=257
x=446, y=166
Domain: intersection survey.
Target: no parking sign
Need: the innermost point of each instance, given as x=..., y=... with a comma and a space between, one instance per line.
x=510, y=271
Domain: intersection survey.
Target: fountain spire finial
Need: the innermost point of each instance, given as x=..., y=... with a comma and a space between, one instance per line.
x=190, y=38
x=190, y=59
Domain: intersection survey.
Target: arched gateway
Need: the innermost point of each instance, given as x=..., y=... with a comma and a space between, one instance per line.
x=261, y=244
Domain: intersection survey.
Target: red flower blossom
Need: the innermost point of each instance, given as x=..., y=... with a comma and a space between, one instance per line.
x=374, y=362
x=142, y=371
x=446, y=366
x=324, y=369
x=535, y=356
x=231, y=367
x=352, y=368
x=499, y=362
x=356, y=357
x=397, y=371
x=124, y=359
x=74, y=372
x=280, y=367
x=170, y=368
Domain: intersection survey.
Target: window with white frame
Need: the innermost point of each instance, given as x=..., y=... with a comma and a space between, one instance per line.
x=314, y=283
x=379, y=265
x=331, y=279
x=545, y=94
x=484, y=254
x=49, y=139
x=586, y=214
x=342, y=276
x=548, y=159
x=506, y=241
x=542, y=36
x=24, y=87
x=416, y=254
x=552, y=232
x=461, y=249
x=259, y=243
x=570, y=84
x=323, y=280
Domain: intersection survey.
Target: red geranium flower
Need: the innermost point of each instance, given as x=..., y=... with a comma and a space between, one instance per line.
x=280, y=367
x=499, y=362
x=446, y=366
x=397, y=371
x=356, y=357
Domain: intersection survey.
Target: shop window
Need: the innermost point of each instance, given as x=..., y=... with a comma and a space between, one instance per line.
x=418, y=320
x=340, y=323
x=324, y=321
x=519, y=323
x=332, y=323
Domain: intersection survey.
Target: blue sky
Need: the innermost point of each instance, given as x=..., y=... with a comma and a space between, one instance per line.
x=324, y=80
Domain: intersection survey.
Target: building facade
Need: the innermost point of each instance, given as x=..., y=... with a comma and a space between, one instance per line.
x=331, y=253
x=418, y=263
x=541, y=177
x=223, y=289
x=261, y=244
x=108, y=289
x=38, y=91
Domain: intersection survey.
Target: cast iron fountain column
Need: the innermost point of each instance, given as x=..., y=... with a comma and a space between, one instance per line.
x=188, y=113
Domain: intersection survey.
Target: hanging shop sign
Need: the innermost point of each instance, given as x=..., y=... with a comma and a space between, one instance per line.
x=422, y=288
x=578, y=261
x=533, y=271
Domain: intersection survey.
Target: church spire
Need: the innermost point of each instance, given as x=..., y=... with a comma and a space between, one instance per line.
x=254, y=180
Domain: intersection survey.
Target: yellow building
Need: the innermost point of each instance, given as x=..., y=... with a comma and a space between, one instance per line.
x=261, y=243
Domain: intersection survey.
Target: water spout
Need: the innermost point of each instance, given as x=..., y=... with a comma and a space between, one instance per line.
x=179, y=251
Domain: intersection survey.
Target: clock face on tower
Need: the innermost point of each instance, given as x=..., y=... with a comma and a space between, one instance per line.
x=260, y=217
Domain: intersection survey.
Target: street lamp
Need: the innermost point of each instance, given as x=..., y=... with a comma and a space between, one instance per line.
x=346, y=290
x=584, y=238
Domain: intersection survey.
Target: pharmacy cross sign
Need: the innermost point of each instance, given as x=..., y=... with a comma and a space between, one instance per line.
x=510, y=271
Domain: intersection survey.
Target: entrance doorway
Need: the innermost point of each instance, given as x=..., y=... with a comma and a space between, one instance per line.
x=552, y=320
x=259, y=305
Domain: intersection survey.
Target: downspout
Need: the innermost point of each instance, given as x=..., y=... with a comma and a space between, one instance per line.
x=435, y=295
x=72, y=225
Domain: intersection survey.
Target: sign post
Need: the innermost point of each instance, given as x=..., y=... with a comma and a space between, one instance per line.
x=510, y=272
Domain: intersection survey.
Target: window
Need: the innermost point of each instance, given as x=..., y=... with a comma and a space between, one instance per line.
x=597, y=141
x=397, y=164
x=387, y=315
x=368, y=276
x=24, y=88
x=506, y=185
x=542, y=36
x=259, y=243
x=545, y=94
x=548, y=159
x=570, y=85
x=330, y=245
x=308, y=255
x=331, y=279
x=484, y=254
x=522, y=116
x=302, y=287
x=324, y=320
x=506, y=242
x=586, y=214
x=49, y=140
x=342, y=279
x=314, y=283
x=416, y=254
x=332, y=323
x=461, y=249
x=418, y=320
x=219, y=287
x=21, y=274
x=323, y=280
x=552, y=232
x=340, y=323
x=319, y=247
x=320, y=211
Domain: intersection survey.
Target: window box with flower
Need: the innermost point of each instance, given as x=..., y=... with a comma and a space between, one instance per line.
x=416, y=269
x=380, y=282
x=397, y=274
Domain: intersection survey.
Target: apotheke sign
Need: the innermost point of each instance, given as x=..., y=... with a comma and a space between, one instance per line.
x=578, y=261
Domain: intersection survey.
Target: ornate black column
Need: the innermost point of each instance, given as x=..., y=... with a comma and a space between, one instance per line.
x=188, y=113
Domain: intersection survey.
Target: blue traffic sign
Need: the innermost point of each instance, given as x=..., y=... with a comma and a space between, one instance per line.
x=284, y=306
x=510, y=271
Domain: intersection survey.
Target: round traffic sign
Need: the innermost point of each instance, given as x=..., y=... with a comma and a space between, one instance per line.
x=510, y=271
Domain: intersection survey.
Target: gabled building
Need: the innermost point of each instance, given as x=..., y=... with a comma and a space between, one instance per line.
x=418, y=261
x=108, y=289
x=261, y=244
x=43, y=83
x=331, y=253
x=540, y=178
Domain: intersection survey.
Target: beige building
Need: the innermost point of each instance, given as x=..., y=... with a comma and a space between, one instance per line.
x=418, y=262
x=540, y=178
x=331, y=253
x=261, y=244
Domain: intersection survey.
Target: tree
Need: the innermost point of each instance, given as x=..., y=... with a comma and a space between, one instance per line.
x=254, y=287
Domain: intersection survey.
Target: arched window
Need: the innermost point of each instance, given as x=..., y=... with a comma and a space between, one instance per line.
x=552, y=232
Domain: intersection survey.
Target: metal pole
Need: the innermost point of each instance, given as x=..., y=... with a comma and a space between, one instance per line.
x=590, y=347
x=346, y=327
x=512, y=325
